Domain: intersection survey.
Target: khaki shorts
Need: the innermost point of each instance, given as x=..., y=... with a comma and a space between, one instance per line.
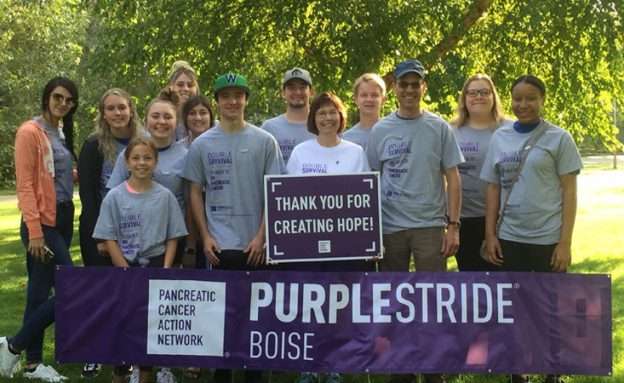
x=423, y=244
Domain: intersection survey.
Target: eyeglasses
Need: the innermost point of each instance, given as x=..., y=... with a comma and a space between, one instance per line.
x=62, y=99
x=478, y=92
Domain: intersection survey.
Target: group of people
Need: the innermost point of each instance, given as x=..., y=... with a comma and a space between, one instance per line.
x=187, y=189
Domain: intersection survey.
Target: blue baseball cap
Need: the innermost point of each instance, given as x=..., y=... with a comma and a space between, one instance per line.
x=409, y=66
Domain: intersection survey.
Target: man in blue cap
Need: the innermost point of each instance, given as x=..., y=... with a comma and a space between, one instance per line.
x=417, y=155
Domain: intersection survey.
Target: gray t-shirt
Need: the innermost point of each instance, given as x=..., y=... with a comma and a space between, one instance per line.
x=474, y=145
x=358, y=135
x=287, y=134
x=167, y=173
x=180, y=132
x=533, y=212
x=63, y=169
x=412, y=156
x=141, y=223
x=231, y=167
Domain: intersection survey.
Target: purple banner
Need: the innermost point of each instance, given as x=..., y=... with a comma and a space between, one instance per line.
x=341, y=322
x=322, y=217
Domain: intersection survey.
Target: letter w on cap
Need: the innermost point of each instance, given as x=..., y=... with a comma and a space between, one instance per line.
x=230, y=78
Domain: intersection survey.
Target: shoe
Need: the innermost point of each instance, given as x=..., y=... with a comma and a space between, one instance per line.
x=91, y=370
x=8, y=360
x=520, y=379
x=44, y=373
x=192, y=373
x=134, y=377
x=308, y=377
x=333, y=377
x=165, y=376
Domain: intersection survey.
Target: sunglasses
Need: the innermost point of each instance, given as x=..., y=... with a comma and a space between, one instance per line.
x=57, y=97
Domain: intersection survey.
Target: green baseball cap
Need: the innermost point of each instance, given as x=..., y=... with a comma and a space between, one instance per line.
x=230, y=80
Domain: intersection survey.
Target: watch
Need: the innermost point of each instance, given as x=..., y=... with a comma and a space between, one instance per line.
x=456, y=223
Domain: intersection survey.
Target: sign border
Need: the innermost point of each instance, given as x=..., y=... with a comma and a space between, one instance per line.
x=270, y=261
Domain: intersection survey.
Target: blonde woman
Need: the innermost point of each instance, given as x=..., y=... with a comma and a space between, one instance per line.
x=182, y=84
x=116, y=123
x=479, y=114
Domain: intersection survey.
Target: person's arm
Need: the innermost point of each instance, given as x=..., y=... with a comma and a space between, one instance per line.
x=120, y=171
x=492, y=201
x=562, y=256
x=26, y=156
x=188, y=259
x=450, y=242
x=115, y=253
x=201, y=224
x=89, y=173
x=256, y=247
x=171, y=245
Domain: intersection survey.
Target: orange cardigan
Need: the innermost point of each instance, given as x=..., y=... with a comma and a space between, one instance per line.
x=34, y=176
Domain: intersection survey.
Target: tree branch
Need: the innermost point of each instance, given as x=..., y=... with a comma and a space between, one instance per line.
x=450, y=41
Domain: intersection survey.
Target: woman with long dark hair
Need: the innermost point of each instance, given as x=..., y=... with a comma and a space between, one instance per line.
x=44, y=178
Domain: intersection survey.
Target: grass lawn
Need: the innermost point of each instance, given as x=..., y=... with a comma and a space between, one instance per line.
x=598, y=240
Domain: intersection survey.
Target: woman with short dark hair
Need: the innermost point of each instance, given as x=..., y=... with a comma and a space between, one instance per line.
x=531, y=170
x=328, y=152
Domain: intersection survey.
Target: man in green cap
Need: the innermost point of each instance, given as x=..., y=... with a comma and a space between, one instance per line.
x=229, y=162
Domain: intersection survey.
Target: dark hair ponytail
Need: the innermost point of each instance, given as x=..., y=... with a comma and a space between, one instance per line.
x=68, y=120
x=531, y=80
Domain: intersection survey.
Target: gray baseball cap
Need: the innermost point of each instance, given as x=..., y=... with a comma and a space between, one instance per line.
x=297, y=73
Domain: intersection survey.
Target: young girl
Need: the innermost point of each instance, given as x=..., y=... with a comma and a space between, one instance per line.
x=140, y=220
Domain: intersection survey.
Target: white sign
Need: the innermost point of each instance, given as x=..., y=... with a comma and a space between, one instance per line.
x=186, y=317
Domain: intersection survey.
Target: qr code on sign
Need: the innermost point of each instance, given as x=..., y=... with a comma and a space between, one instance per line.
x=324, y=247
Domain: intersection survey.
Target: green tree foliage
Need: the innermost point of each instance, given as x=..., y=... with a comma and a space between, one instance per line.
x=38, y=40
x=575, y=46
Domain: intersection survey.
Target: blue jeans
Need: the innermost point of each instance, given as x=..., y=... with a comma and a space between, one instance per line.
x=37, y=322
x=41, y=277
